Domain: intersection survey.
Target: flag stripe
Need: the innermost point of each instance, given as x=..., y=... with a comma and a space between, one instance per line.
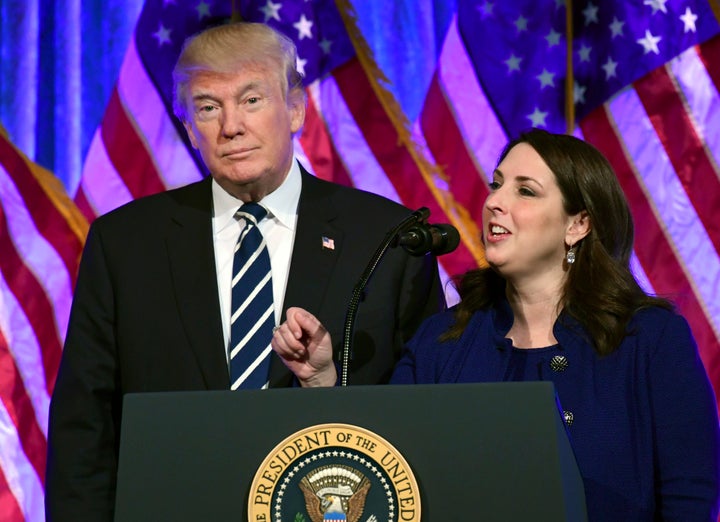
x=118, y=134
x=14, y=397
x=674, y=209
x=319, y=149
x=50, y=221
x=83, y=204
x=41, y=237
x=667, y=277
x=466, y=182
x=685, y=150
x=355, y=163
x=26, y=351
x=473, y=114
x=701, y=96
x=35, y=303
x=709, y=53
x=37, y=255
x=396, y=161
x=640, y=276
x=173, y=162
x=162, y=157
x=361, y=165
x=21, y=479
x=8, y=503
x=102, y=189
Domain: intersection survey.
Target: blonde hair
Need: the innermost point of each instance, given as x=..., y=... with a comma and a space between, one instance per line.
x=230, y=47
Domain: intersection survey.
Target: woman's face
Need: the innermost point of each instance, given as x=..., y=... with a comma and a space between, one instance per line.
x=524, y=222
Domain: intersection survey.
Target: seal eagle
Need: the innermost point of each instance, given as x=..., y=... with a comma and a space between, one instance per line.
x=335, y=493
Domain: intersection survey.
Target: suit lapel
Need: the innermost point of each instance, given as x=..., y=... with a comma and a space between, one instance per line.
x=192, y=266
x=312, y=263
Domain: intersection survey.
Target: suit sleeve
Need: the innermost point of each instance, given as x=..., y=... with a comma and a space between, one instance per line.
x=422, y=296
x=685, y=423
x=85, y=404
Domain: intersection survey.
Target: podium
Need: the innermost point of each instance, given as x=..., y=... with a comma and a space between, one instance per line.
x=487, y=451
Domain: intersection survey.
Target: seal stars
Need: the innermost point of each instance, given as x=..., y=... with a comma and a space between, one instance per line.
x=334, y=472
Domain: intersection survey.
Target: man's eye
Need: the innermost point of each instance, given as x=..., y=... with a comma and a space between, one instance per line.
x=253, y=100
x=206, y=112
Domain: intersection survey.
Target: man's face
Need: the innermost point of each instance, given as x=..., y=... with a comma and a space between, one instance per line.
x=242, y=127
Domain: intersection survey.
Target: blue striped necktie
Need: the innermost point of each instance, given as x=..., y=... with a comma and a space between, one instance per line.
x=252, y=318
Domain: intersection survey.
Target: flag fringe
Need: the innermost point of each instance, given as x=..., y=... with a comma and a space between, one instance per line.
x=455, y=212
x=715, y=6
x=55, y=191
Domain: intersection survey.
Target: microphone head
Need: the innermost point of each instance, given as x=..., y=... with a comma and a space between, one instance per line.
x=422, y=238
x=417, y=240
x=448, y=240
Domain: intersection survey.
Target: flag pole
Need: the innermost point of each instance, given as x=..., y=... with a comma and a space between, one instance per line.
x=569, y=78
x=456, y=212
x=235, y=13
x=715, y=6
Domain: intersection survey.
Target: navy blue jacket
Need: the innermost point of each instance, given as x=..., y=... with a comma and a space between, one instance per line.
x=644, y=419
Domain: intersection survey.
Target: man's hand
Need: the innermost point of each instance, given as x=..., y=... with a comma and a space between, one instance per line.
x=304, y=345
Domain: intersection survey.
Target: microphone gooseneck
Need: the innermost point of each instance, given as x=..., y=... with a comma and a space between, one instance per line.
x=418, y=238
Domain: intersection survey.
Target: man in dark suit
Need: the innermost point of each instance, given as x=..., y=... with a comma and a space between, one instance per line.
x=152, y=305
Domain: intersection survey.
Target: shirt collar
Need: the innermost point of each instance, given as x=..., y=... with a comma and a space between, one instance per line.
x=281, y=204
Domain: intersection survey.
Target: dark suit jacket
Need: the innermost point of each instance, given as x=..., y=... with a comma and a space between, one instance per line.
x=146, y=317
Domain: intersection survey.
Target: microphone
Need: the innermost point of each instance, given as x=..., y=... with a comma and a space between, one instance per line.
x=422, y=238
x=418, y=238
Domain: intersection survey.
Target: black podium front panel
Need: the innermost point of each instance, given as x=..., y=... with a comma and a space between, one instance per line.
x=495, y=452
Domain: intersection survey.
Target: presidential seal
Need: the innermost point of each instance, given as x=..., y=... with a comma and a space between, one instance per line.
x=332, y=472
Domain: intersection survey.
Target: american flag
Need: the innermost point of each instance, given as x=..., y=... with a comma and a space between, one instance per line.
x=328, y=243
x=41, y=238
x=411, y=99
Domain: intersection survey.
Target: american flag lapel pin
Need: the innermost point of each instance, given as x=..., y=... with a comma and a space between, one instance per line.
x=328, y=243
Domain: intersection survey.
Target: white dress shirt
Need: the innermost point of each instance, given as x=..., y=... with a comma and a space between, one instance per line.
x=278, y=229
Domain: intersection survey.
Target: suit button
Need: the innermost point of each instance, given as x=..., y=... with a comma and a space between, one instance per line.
x=568, y=417
x=559, y=363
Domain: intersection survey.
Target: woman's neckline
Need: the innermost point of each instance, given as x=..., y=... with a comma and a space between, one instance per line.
x=539, y=349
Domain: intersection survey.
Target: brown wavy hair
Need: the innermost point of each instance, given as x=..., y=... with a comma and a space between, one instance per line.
x=600, y=292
